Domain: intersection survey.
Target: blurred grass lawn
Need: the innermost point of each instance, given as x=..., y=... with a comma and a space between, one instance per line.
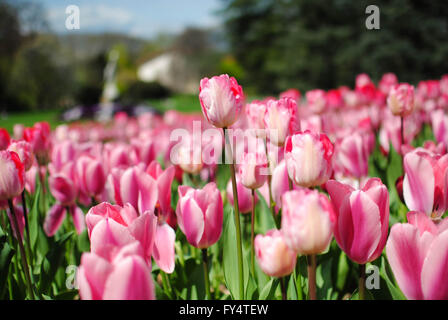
x=29, y=118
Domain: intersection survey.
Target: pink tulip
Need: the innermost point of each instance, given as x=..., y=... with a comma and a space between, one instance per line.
x=255, y=112
x=387, y=82
x=24, y=151
x=139, y=189
x=30, y=179
x=18, y=130
x=62, y=153
x=145, y=150
x=307, y=221
x=274, y=257
x=291, y=93
x=418, y=255
x=316, y=100
x=121, y=224
x=200, y=214
x=280, y=184
x=308, y=158
x=189, y=155
x=353, y=151
x=362, y=218
x=439, y=122
x=221, y=100
x=4, y=139
x=39, y=138
x=91, y=175
x=63, y=189
x=425, y=184
x=244, y=195
x=124, y=277
x=164, y=251
x=401, y=99
x=281, y=120
x=253, y=170
x=164, y=180
x=12, y=175
x=56, y=215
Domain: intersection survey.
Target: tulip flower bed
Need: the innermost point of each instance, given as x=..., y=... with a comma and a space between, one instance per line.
x=339, y=194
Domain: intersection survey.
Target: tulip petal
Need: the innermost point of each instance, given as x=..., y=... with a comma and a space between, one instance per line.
x=193, y=221
x=147, y=193
x=337, y=191
x=164, y=253
x=143, y=229
x=418, y=183
x=435, y=269
x=405, y=254
x=422, y=222
x=130, y=280
x=78, y=219
x=129, y=187
x=92, y=275
x=108, y=237
x=366, y=225
x=164, y=189
x=54, y=219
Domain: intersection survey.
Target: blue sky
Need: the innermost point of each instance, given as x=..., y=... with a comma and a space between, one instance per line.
x=134, y=17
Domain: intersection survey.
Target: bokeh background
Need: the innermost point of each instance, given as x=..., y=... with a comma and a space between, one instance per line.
x=154, y=53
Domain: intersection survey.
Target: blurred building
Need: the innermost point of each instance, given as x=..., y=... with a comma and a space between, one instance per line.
x=172, y=70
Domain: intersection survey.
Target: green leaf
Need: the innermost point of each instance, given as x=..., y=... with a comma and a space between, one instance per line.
x=263, y=216
x=52, y=261
x=33, y=217
x=394, y=291
x=230, y=259
x=268, y=292
x=6, y=254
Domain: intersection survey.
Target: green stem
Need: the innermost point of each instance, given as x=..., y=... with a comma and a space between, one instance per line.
x=271, y=199
x=252, y=234
x=22, y=250
x=237, y=221
x=311, y=259
x=206, y=275
x=362, y=281
x=166, y=284
x=299, y=281
x=27, y=229
x=283, y=287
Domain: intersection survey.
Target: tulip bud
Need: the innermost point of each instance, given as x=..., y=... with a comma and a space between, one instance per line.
x=308, y=158
x=12, y=175
x=401, y=99
x=221, y=100
x=253, y=170
x=275, y=258
x=24, y=151
x=307, y=221
x=281, y=120
x=200, y=214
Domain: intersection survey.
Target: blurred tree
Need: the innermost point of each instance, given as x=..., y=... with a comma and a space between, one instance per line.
x=325, y=43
